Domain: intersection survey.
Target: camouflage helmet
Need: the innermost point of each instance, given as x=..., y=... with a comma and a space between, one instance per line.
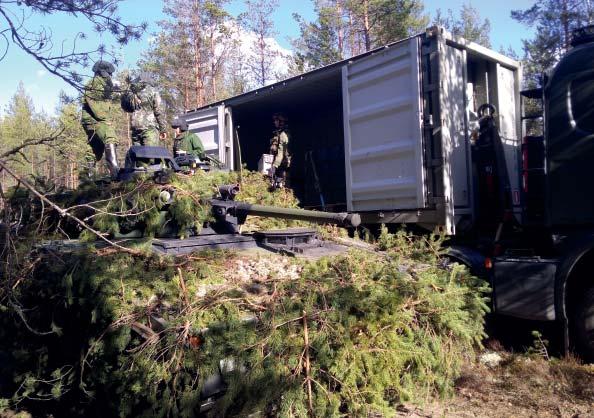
x=179, y=123
x=103, y=68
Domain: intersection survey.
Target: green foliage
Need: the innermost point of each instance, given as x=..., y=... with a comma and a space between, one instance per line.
x=468, y=24
x=189, y=57
x=344, y=28
x=553, y=21
x=383, y=327
x=393, y=20
x=136, y=209
x=318, y=43
x=21, y=122
x=540, y=346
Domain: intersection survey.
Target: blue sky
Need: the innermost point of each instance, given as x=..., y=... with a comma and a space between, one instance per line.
x=44, y=88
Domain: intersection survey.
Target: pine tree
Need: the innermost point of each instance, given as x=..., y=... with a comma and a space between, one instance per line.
x=190, y=52
x=320, y=42
x=22, y=123
x=344, y=28
x=553, y=21
x=391, y=20
x=258, y=20
x=64, y=58
x=236, y=72
x=467, y=24
x=69, y=154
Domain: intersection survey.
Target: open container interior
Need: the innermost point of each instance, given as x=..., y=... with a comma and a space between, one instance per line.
x=315, y=123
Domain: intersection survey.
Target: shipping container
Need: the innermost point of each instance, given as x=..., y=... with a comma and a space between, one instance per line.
x=386, y=133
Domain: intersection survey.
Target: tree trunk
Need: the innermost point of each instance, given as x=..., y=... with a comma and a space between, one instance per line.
x=340, y=28
x=366, y=27
x=197, y=44
x=262, y=44
x=352, y=39
x=53, y=167
x=213, y=66
x=186, y=97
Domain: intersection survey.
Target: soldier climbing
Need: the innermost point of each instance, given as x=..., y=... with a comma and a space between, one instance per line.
x=148, y=116
x=97, y=122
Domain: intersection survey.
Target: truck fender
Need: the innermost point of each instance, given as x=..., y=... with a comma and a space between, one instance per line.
x=570, y=284
x=580, y=255
x=470, y=257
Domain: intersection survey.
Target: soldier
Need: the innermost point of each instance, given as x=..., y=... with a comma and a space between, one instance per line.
x=186, y=142
x=148, y=117
x=279, y=148
x=97, y=119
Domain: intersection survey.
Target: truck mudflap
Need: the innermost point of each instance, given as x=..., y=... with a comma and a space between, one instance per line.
x=524, y=287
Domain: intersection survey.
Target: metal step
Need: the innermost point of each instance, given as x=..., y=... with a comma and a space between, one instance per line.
x=532, y=116
x=532, y=93
x=175, y=246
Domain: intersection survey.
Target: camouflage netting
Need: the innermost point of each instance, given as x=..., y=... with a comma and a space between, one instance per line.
x=105, y=333
x=121, y=208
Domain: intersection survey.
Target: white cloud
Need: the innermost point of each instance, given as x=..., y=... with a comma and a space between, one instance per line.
x=31, y=88
x=41, y=73
x=247, y=39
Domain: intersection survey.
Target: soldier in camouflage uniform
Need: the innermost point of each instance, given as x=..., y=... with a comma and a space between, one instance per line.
x=97, y=108
x=148, y=117
x=279, y=149
x=186, y=142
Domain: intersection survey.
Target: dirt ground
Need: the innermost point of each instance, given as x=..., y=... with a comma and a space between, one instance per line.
x=518, y=386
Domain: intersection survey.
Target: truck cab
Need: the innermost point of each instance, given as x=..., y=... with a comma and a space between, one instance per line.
x=544, y=272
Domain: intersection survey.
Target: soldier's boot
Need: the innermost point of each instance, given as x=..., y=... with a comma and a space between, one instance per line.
x=111, y=158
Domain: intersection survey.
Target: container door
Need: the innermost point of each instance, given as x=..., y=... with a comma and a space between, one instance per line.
x=508, y=110
x=213, y=126
x=456, y=148
x=383, y=135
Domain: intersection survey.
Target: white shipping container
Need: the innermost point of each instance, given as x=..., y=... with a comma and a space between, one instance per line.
x=385, y=134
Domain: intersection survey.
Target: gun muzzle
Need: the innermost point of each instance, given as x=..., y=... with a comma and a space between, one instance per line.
x=229, y=191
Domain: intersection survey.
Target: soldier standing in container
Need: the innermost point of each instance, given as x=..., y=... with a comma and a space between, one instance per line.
x=279, y=149
x=148, y=116
x=186, y=142
x=97, y=120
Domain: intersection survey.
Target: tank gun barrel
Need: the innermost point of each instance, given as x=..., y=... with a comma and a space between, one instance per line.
x=241, y=210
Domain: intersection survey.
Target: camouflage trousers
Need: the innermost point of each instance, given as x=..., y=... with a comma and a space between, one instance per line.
x=99, y=135
x=145, y=137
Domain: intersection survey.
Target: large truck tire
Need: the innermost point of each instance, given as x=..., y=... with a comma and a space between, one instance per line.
x=584, y=325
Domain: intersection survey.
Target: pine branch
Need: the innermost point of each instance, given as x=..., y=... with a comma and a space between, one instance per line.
x=65, y=213
x=31, y=142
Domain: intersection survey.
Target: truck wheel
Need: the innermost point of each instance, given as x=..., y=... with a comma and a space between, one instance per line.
x=584, y=325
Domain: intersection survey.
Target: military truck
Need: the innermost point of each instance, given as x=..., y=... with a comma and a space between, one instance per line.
x=433, y=131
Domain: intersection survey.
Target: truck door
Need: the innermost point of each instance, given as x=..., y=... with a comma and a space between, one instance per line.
x=382, y=130
x=214, y=126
